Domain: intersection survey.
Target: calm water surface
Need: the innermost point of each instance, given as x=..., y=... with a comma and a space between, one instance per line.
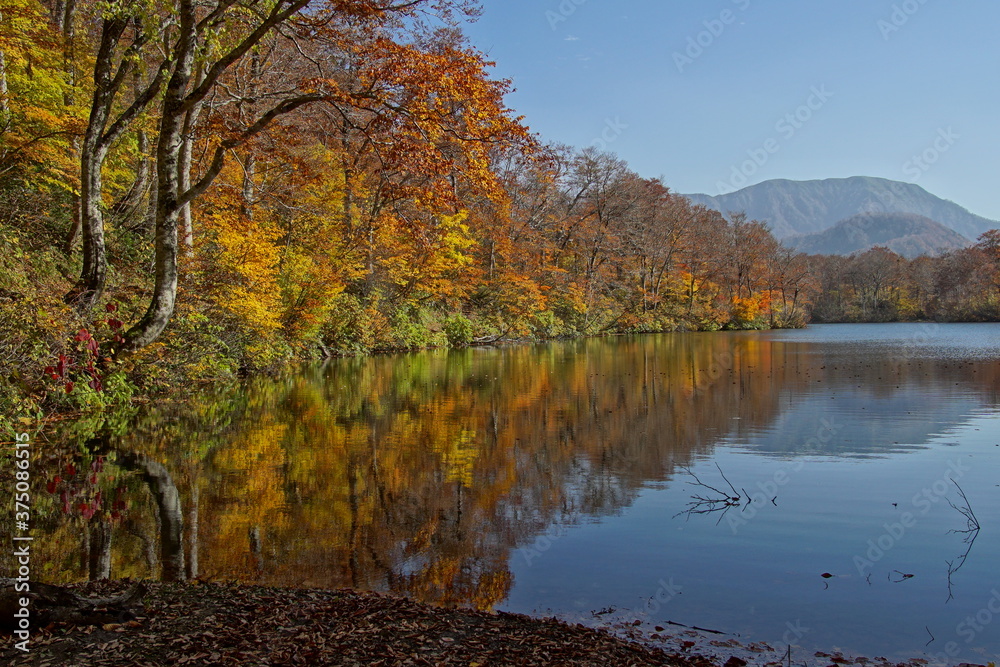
x=556, y=479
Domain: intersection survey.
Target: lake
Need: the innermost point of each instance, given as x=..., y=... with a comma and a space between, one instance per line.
x=816, y=488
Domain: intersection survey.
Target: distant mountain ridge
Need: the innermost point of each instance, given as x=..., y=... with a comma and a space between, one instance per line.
x=904, y=233
x=806, y=207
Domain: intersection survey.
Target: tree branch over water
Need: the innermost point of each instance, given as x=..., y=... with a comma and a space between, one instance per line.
x=970, y=532
x=719, y=502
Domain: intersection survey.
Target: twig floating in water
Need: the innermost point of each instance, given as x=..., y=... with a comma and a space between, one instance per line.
x=727, y=479
x=695, y=627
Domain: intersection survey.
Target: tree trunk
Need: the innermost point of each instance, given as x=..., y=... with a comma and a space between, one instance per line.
x=256, y=548
x=353, y=503
x=184, y=170
x=168, y=208
x=74, y=231
x=67, y=21
x=90, y=286
x=192, y=561
x=129, y=206
x=133, y=527
x=168, y=214
x=249, y=199
x=250, y=167
x=345, y=145
x=3, y=84
x=100, y=551
x=64, y=15
x=168, y=504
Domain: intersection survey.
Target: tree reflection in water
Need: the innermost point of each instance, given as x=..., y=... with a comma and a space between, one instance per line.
x=418, y=474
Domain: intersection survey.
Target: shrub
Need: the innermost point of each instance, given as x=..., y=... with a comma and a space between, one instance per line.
x=458, y=330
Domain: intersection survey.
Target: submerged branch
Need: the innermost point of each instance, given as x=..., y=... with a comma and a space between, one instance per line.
x=970, y=533
x=707, y=504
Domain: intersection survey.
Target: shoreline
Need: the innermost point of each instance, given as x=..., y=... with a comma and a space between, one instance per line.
x=208, y=623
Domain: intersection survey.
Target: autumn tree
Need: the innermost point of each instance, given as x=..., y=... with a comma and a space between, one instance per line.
x=989, y=245
x=794, y=285
x=702, y=262
x=36, y=124
x=380, y=80
x=364, y=193
x=126, y=31
x=514, y=246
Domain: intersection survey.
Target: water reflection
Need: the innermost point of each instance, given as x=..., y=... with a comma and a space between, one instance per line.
x=419, y=474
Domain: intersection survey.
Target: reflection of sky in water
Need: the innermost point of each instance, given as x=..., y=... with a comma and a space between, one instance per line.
x=866, y=426
x=845, y=463
x=760, y=568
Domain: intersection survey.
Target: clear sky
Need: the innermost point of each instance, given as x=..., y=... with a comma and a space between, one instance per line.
x=709, y=93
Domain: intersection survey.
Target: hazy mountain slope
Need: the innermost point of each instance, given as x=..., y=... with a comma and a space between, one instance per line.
x=904, y=233
x=805, y=207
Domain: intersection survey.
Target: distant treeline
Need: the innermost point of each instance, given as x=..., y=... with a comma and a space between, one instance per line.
x=881, y=286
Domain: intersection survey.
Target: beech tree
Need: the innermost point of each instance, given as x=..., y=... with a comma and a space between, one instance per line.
x=125, y=32
x=193, y=71
x=180, y=101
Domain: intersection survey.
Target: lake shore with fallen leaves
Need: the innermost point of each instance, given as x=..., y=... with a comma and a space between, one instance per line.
x=235, y=624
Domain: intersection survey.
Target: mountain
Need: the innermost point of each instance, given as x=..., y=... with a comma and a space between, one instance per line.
x=806, y=207
x=904, y=233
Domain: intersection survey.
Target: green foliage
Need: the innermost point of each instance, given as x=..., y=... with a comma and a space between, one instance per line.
x=411, y=329
x=545, y=325
x=406, y=332
x=352, y=326
x=458, y=329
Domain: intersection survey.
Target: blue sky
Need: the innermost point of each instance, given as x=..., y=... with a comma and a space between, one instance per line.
x=716, y=94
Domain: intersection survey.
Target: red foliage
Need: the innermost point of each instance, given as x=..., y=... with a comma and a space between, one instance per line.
x=84, y=495
x=84, y=365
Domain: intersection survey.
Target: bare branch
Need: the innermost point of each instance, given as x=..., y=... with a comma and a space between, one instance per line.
x=720, y=502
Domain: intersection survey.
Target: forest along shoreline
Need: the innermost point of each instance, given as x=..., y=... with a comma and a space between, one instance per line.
x=178, y=216
x=227, y=623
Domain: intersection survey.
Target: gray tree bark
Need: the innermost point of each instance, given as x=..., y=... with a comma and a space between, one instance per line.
x=100, y=551
x=179, y=100
x=3, y=81
x=101, y=133
x=171, y=517
x=192, y=561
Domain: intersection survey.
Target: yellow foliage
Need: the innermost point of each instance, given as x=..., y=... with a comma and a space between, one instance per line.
x=248, y=254
x=746, y=309
x=516, y=298
x=240, y=259
x=433, y=255
x=317, y=261
x=37, y=127
x=458, y=453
